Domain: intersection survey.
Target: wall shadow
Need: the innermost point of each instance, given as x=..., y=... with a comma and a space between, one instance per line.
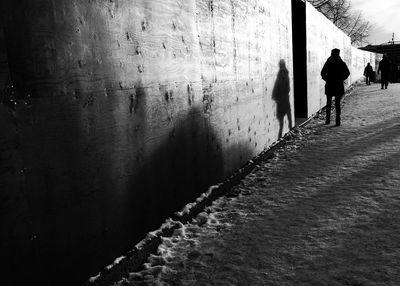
x=54, y=214
x=280, y=94
x=74, y=211
x=4, y=71
x=173, y=174
x=55, y=48
x=84, y=184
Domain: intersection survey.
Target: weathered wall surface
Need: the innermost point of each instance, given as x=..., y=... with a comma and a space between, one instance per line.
x=4, y=71
x=125, y=112
x=322, y=37
x=359, y=60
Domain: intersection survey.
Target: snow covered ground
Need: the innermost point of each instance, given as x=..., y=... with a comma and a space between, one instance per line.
x=325, y=210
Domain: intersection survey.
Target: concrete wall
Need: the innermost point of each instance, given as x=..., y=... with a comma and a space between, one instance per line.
x=126, y=111
x=4, y=71
x=322, y=37
x=359, y=60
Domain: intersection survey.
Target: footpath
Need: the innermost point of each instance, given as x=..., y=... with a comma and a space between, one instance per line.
x=325, y=210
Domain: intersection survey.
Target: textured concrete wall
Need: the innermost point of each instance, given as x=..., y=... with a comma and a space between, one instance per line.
x=359, y=60
x=125, y=112
x=4, y=71
x=322, y=37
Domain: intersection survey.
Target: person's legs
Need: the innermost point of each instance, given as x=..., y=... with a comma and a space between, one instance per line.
x=338, y=111
x=384, y=81
x=367, y=80
x=280, y=127
x=328, y=109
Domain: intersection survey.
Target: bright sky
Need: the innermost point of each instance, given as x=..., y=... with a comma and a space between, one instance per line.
x=384, y=15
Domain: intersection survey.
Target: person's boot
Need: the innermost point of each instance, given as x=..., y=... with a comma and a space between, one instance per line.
x=327, y=120
x=328, y=117
x=337, y=121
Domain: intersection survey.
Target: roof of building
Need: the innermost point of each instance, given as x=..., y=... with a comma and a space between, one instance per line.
x=389, y=47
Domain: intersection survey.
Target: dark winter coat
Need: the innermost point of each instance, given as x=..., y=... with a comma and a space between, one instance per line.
x=334, y=72
x=384, y=67
x=368, y=70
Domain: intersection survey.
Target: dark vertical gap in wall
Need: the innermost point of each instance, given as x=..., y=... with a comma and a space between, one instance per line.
x=299, y=58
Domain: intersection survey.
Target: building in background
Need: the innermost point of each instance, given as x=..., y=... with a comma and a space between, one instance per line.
x=392, y=50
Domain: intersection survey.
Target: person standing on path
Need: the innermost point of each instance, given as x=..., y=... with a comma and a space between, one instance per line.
x=384, y=68
x=334, y=72
x=368, y=73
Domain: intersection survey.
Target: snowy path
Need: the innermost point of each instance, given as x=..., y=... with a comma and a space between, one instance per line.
x=324, y=211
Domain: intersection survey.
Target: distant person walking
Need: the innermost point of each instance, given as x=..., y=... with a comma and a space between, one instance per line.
x=368, y=73
x=334, y=72
x=384, y=68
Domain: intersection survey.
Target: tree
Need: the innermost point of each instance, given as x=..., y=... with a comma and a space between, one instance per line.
x=345, y=18
x=318, y=3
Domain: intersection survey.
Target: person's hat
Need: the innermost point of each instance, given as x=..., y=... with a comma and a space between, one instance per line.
x=335, y=52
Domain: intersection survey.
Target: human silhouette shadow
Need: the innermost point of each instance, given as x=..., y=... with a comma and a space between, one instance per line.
x=280, y=94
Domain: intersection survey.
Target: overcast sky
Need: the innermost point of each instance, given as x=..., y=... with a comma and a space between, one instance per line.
x=384, y=15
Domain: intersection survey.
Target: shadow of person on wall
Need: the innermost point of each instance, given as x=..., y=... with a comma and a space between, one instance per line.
x=280, y=94
x=177, y=171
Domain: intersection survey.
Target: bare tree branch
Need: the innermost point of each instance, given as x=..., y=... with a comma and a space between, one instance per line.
x=341, y=14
